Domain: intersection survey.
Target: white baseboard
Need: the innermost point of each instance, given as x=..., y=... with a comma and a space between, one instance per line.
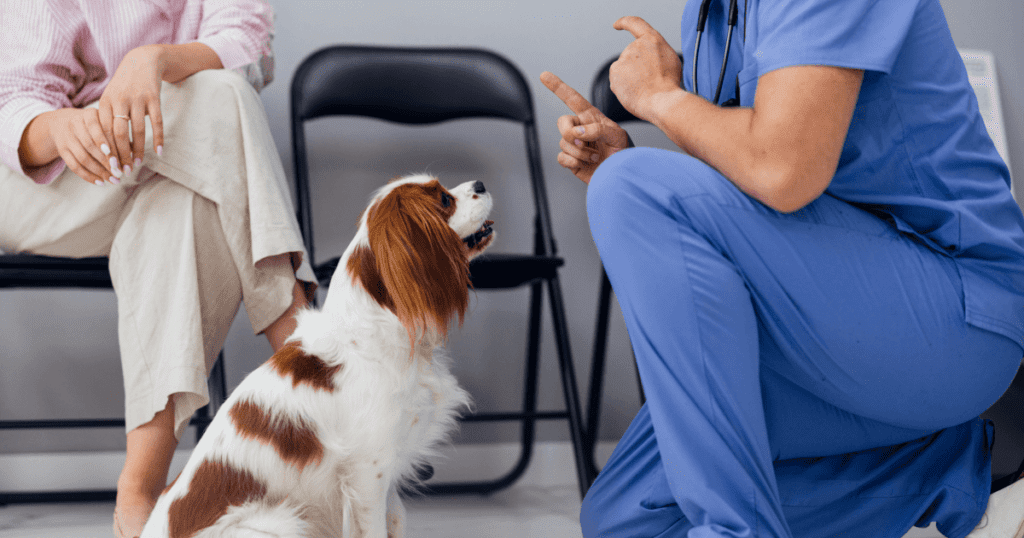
x=550, y=465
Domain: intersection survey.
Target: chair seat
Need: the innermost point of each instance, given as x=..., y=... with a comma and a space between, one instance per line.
x=504, y=271
x=31, y=271
x=487, y=271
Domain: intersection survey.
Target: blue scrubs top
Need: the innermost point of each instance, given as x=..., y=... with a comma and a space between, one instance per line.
x=917, y=154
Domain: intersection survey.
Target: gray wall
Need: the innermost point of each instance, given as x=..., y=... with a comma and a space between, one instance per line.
x=77, y=374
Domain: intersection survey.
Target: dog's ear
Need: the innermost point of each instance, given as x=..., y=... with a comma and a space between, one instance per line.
x=420, y=260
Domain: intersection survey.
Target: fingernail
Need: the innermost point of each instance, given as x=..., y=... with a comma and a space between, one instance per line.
x=578, y=143
x=114, y=168
x=580, y=130
x=593, y=157
x=159, y=151
x=138, y=161
x=105, y=149
x=115, y=181
x=100, y=182
x=127, y=170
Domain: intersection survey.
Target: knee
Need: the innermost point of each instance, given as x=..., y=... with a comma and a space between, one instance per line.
x=649, y=176
x=618, y=175
x=639, y=182
x=219, y=86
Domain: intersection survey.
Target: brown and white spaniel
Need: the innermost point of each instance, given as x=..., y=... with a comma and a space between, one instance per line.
x=318, y=440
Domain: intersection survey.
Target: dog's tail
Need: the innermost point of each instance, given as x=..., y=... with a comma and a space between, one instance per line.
x=259, y=520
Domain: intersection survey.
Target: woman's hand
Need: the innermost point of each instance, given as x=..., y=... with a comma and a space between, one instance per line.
x=647, y=68
x=132, y=94
x=75, y=135
x=589, y=137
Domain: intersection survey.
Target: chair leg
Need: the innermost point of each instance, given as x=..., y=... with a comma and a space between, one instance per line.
x=218, y=390
x=639, y=383
x=218, y=384
x=572, y=402
x=529, y=411
x=597, y=364
x=597, y=368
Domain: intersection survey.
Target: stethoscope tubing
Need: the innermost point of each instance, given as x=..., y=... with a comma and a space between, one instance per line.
x=702, y=17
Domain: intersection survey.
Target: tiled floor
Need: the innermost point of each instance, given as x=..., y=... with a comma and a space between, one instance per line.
x=519, y=512
x=544, y=503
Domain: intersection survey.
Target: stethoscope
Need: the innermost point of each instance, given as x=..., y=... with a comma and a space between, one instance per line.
x=702, y=19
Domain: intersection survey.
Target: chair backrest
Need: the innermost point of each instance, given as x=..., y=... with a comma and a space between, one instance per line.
x=412, y=86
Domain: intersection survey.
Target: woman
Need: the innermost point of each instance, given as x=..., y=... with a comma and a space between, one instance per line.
x=833, y=283
x=192, y=208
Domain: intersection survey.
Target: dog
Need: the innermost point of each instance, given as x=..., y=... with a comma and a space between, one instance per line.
x=319, y=439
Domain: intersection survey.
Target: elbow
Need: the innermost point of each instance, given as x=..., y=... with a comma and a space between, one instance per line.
x=790, y=189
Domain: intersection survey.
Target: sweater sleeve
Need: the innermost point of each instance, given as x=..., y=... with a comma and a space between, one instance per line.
x=240, y=32
x=37, y=70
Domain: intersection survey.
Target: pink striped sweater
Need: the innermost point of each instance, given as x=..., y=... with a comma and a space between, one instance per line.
x=61, y=53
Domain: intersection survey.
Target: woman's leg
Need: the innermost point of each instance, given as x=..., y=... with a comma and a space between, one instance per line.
x=223, y=229
x=828, y=298
x=219, y=231
x=149, y=450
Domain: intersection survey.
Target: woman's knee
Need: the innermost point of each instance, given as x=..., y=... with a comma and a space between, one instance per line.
x=217, y=89
x=216, y=80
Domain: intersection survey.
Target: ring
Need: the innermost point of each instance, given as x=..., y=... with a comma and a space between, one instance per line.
x=122, y=117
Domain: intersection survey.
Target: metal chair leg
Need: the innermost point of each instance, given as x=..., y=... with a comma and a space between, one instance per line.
x=218, y=393
x=218, y=390
x=597, y=364
x=597, y=369
x=527, y=417
x=572, y=402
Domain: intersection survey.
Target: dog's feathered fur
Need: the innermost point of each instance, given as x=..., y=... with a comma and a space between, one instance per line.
x=317, y=440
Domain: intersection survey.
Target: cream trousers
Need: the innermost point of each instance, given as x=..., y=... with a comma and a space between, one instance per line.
x=188, y=235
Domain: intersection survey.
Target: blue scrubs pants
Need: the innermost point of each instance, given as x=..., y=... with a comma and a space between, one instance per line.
x=807, y=374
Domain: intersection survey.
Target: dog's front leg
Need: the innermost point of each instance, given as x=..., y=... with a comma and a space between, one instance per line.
x=395, y=515
x=370, y=485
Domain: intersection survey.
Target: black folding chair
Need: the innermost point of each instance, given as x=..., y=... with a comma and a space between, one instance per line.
x=29, y=271
x=432, y=85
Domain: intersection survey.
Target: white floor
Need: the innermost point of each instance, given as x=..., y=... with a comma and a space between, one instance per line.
x=525, y=511
x=519, y=512
x=544, y=503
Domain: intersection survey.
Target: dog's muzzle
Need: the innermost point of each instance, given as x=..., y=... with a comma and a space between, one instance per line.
x=480, y=234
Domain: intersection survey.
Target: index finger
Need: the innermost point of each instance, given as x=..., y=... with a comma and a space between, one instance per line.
x=576, y=102
x=635, y=25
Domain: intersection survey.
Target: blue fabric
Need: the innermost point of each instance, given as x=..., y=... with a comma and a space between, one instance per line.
x=917, y=153
x=870, y=493
x=764, y=339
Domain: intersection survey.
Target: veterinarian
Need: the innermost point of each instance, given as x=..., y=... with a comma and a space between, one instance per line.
x=192, y=206
x=832, y=282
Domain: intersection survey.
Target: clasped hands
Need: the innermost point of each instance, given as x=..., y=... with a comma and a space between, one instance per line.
x=107, y=142
x=646, y=70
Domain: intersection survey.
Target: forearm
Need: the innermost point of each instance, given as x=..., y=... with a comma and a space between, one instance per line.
x=182, y=61
x=737, y=143
x=784, y=150
x=37, y=147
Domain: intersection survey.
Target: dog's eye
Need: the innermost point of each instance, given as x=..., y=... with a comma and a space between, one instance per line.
x=446, y=199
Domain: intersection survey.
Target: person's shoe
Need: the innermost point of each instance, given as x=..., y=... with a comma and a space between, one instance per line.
x=1004, y=517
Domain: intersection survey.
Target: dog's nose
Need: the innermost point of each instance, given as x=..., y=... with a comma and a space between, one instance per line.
x=478, y=188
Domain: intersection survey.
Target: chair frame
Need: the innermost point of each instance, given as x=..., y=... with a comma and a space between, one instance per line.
x=544, y=247
x=22, y=271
